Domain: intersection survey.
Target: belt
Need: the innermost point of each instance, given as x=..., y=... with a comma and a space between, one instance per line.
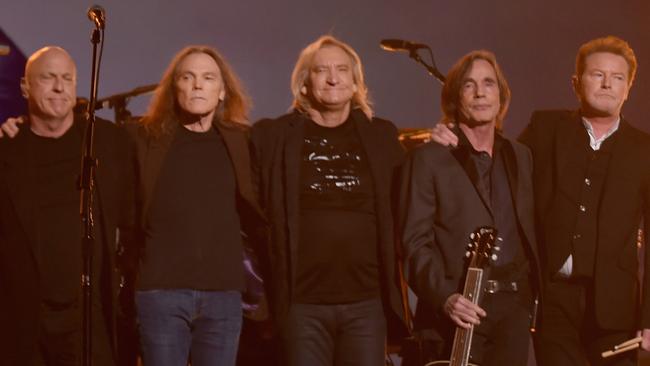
x=492, y=286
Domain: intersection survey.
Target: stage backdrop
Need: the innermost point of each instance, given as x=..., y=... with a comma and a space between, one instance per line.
x=535, y=42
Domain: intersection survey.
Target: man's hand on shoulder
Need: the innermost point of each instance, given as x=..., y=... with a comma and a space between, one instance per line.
x=443, y=135
x=10, y=127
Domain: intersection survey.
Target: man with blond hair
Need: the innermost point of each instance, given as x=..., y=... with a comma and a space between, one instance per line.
x=325, y=174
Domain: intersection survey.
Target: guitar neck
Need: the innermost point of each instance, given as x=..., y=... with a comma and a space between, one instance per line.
x=463, y=337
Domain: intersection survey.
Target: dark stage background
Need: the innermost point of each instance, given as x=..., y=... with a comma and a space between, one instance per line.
x=535, y=42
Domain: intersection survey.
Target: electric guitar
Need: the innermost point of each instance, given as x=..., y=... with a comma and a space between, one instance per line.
x=481, y=250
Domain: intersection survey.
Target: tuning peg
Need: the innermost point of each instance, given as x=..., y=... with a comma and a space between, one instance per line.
x=467, y=254
x=472, y=235
x=497, y=248
x=494, y=257
x=499, y=239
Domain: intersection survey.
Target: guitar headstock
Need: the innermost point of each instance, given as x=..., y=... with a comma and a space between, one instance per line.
x=483, y=247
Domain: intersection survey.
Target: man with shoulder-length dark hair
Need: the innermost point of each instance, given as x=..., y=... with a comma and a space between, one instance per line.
x=324, y=174
x=448, y=195
x=194, y=197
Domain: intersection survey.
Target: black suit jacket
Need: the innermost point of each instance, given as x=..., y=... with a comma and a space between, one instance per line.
x=624, y=202
x=441, y=208
x=20, y=291
x=277, y=152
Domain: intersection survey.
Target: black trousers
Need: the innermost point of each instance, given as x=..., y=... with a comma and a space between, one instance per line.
x=60, y=337
x=335, y=335
x=568, y=334
x=501, y=339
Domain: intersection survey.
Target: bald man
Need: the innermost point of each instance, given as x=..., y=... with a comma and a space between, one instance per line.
x=40, y=230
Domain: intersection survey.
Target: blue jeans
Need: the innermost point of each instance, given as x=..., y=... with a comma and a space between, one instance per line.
x=342, y=335
x=180, y=325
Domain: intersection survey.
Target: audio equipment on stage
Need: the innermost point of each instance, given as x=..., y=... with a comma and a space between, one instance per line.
x=97, y=15
x=396, y=45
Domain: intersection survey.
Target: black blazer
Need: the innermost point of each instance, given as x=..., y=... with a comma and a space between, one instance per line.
x=277, y=152
x=19, y=267
x=441, y=208
x=624, y=202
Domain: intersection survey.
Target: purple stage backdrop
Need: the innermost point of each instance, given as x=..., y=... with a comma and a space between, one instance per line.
x=535, y=42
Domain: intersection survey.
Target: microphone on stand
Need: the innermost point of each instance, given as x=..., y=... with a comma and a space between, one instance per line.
x=4, y=50
x=87, y=182
x=397, y=45
x=97, y=15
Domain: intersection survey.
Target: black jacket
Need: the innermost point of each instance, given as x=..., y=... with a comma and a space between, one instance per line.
x=624, y=202
x=277, y=147
x=19, y=268
x=441, y=208
x=148, y=158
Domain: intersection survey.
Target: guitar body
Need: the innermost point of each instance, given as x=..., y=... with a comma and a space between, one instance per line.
x=480, y=252
x=445, y=363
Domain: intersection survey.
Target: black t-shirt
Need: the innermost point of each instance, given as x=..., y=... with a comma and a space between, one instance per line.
x=192, y=235
x=337, y=253
x=59, y=230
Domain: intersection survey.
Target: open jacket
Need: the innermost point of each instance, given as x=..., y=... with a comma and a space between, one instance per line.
x=20, y=289
x=620, y=303
x=277, y=147
x=149, y=156
x=441, y=207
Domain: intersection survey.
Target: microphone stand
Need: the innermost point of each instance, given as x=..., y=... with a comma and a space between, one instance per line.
x=119, y=101
x=432, y=69
x=86, y=186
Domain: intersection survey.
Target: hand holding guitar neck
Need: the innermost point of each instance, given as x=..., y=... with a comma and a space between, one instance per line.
x=463, y=309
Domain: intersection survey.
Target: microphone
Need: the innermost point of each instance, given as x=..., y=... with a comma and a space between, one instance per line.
x=396, y=45
x=4, y=50
x=97, y=15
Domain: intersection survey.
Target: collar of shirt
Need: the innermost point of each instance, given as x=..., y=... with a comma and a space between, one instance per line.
x=593, y=141
x=463, y=142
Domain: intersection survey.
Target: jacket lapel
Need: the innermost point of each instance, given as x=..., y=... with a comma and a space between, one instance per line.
x=570, y=155
x=20, y=175
x=522, y=205
x=622, y=173
x=291, y=170
x=462, y=155
x=155, y=151
x=512, y=172
x=237, y=148
x=373, y=151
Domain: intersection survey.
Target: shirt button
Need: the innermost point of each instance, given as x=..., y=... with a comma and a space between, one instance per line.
x=588, y=182
x=583, y=208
